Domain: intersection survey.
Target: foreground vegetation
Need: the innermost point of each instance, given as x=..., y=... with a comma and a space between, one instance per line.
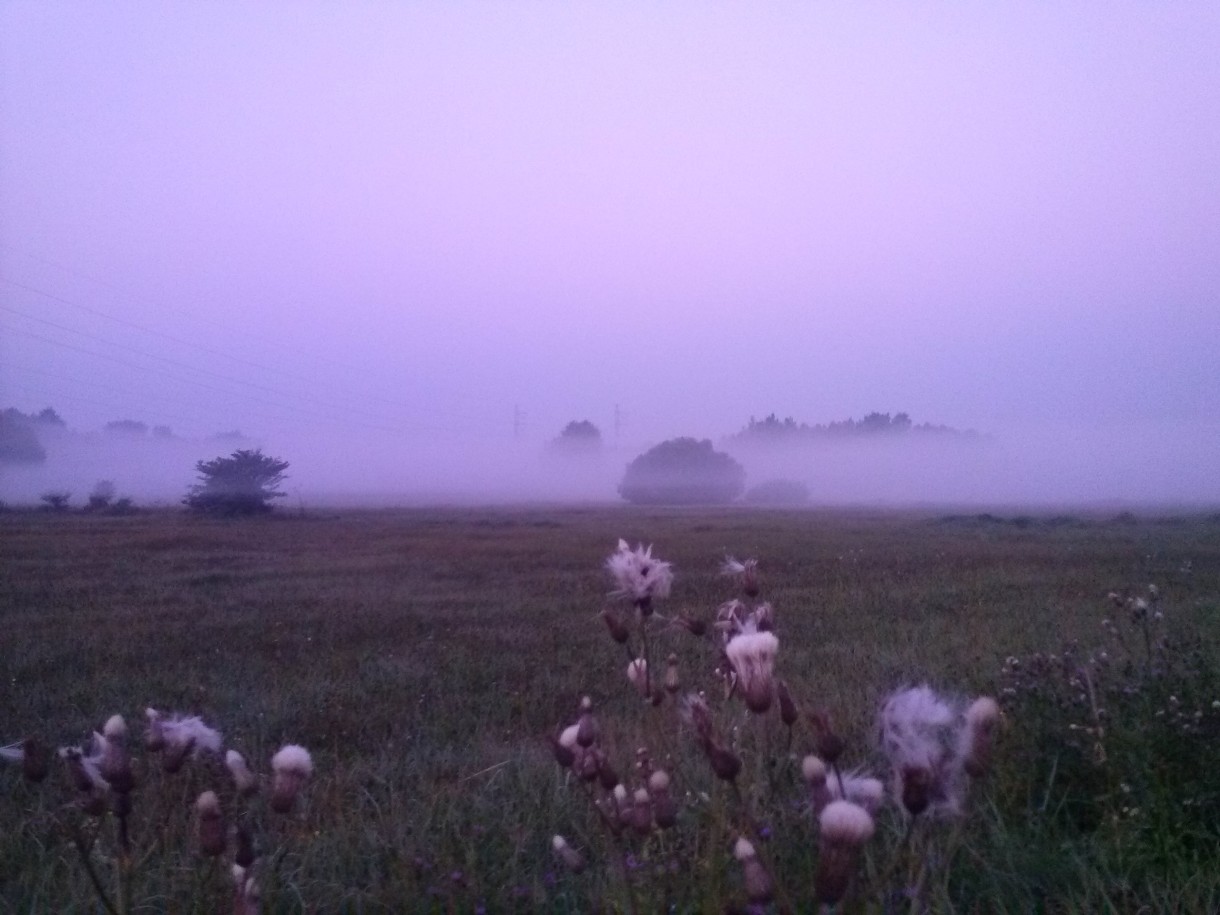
x=427, y=659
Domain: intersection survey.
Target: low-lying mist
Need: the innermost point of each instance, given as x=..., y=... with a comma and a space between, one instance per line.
x=1034, y=467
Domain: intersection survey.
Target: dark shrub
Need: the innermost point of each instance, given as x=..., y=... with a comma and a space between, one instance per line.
x=683, y=471
x=778, y=492
x=242, y=484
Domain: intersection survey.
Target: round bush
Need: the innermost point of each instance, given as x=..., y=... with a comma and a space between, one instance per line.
x=683, y=471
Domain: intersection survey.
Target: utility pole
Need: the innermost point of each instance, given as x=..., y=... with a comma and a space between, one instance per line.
x=518, y=421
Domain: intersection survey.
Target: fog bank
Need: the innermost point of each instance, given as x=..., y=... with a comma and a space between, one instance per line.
x=1034, y=466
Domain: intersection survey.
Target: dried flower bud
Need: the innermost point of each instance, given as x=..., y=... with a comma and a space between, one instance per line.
x=764, y=617
x=637, y=673
x=759, y=888
x=695, y=710
x=622, y=800
x=830, y=746
x=587, y=730
x=725, y=763
x=813, y=771
x=614, y=623
x=664, y=808
x=787, y=706
x=641, y=812
x=175, y=755
x=85, y=775
x=916, y=789
x=571, y=858
x=243, y=779
x=844, y=828
x=292, y=766
x=35, y=759
x=606, y=774
x=154, y=739
x=564, y=755
x=114, y=763
x=211, y=824
x=981, y=719
x=588, y=764
x=246, y=895
x=244, y=842
x=672, y=680
x=694, y=626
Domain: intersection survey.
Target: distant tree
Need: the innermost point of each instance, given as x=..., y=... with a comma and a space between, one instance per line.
x=56, y=500
x=164, y=432
x=683, y=471
x=127, y=427
x=101, y=497
x=578, y=437
x=48, y=417
x=18, y=440
x=778, y=493
x=771, y=430
x=242, y=484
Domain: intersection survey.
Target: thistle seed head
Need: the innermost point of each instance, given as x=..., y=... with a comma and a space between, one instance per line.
x=570, y=857
x=243, y=779
x=211, y=824
x=291, y=766
x=673, y=681
x=752, y=656
x=844, y=828
x=637, y=673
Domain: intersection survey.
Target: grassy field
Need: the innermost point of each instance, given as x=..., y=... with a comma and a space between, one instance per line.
x=426, y=658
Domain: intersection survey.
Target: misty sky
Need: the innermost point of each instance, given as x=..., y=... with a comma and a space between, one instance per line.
x=419, y=218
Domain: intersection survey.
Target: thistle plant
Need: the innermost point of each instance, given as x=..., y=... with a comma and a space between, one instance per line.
x=120, y=809
x=1118, y=729
x=730, y=751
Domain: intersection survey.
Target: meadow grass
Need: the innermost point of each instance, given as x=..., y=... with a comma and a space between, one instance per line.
x=426, y=657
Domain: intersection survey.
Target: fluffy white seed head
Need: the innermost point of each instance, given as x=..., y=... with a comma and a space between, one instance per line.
x=813, y=770
x=179, y=731
x=293, y=759
x=243, y=778
x=571, y=858
x=752, y=655
x=983, y=712
x=567, y=737
x=115, y=728
x=637, y=673
x=845, y=823
x=658, y=781
x=752, y=651
x=743, y=850
x=922, y=735
x=637, y=574
x=208, y=804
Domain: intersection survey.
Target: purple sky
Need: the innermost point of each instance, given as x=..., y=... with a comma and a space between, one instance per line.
x=420, y=216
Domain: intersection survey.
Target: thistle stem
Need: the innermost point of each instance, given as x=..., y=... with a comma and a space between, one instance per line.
x=93, y=877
